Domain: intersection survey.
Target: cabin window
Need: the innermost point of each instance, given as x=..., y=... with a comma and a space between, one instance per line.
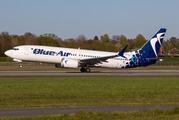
x=15, y=48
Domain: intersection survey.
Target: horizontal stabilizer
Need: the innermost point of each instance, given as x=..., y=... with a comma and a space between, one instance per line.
x=157, y=58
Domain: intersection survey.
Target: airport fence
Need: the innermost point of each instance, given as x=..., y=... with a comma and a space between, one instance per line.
x=166, y=64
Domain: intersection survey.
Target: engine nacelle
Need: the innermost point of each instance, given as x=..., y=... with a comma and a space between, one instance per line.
x=58, y=65
x=69, y=63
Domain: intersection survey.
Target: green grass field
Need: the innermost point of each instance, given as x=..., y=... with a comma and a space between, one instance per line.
x=156, y=114
x=87, y=91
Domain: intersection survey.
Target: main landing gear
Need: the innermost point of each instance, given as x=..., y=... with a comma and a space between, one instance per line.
x=85, y=69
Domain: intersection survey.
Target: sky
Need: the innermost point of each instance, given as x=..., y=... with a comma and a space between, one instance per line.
x=71, y=18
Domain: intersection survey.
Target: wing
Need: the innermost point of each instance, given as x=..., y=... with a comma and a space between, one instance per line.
x=92, y=61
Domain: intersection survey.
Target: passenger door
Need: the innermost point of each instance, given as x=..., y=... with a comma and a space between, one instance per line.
x=26, y=51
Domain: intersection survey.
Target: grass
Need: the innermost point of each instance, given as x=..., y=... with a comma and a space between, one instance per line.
x=82, y=115
x=87, y=91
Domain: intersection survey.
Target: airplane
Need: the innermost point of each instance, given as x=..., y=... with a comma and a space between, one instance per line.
x=74, y=58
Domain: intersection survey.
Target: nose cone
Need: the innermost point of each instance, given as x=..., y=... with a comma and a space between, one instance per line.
x=8, y=53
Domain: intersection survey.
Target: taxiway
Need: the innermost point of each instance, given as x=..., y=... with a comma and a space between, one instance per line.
x=71, y=110
x=110, y=73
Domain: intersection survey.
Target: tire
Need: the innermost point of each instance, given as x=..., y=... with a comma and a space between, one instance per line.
x=82, y=69
x=88, y=70
x=20, y=66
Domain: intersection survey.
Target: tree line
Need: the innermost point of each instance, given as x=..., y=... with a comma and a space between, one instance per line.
x=104, y=43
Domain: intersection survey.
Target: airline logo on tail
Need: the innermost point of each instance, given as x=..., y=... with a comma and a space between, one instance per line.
x=153, y=41
x=152, y=47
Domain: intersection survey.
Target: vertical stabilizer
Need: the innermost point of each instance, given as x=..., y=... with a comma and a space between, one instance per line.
x=152, y=47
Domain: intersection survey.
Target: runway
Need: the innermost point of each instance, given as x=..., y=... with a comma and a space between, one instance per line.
x=70, y=110
x=110, y=73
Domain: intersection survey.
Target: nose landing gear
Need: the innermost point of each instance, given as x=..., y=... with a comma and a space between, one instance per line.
x=85, y=69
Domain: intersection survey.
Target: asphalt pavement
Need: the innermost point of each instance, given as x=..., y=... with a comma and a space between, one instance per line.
x=112, y=73
x=71, y=110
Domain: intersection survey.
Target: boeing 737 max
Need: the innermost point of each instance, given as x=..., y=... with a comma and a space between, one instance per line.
x=74, y=58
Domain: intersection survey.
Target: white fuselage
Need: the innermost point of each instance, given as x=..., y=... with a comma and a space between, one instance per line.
x=54, y=55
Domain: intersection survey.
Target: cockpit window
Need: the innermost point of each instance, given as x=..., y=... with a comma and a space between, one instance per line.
x=15, y=48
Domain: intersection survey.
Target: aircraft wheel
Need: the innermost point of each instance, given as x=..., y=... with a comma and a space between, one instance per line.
x=82, y=69
x=20, y=66
x=88, y=70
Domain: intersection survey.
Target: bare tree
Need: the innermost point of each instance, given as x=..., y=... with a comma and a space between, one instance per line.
x=5, y=42
x=81, y=42
x=30, y=39
x=96, y=38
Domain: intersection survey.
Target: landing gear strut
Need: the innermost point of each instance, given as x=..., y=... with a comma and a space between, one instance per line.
x=20, y=66
x=85, y=69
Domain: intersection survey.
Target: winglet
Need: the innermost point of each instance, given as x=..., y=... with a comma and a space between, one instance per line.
x=93, y=48
x=122, y=51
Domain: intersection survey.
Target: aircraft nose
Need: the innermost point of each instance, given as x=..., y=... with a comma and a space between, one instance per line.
x=8, y=53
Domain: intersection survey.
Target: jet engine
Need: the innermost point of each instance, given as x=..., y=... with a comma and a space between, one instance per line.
x=58, y=65
x=69, y=63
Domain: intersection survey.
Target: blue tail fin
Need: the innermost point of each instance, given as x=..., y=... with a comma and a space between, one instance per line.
x=152, y=47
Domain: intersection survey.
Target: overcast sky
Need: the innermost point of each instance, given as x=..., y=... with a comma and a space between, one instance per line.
x=71, y=18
